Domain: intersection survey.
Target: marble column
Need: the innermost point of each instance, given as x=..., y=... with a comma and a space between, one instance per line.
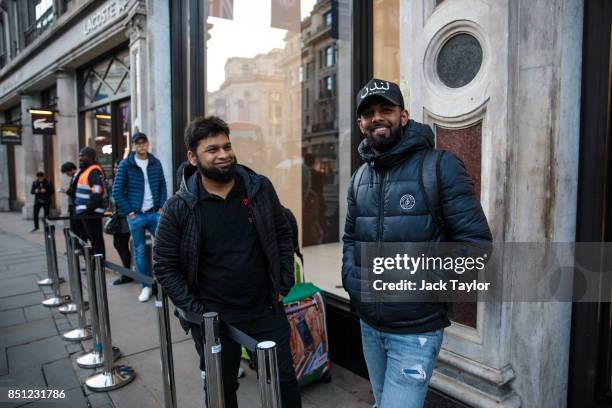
x=66, y=127
x=139, y=66
x=159, y=93
x=30, y=157
x=4, y=180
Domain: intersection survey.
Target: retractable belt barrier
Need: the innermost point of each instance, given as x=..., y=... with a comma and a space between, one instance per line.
x=267, y=362
x=113, y=377
x=81, y=332
x=49, y=280
x=57, y=299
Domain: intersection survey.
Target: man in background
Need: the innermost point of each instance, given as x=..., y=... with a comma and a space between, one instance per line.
x=69, y=169
x=139, y=191
x=42, y=190
x=89, y=198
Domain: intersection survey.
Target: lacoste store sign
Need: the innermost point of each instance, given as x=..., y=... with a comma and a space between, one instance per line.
x=43, y=123
x=104, y=15
x=10, y=134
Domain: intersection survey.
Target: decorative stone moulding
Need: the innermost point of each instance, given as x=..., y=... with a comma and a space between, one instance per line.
x=466, y=31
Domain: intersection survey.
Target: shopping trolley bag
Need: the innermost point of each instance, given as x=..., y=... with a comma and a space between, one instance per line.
x=305, y=309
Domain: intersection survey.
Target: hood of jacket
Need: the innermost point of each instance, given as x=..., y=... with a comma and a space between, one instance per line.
x=416, y=136
x=191, y=177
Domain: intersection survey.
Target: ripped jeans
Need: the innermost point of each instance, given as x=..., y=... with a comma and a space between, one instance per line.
x=400, y=365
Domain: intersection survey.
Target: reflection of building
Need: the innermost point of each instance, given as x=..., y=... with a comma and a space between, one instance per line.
x=101, y=65
x=320, y=123
x=291, y=66
x=252, y=93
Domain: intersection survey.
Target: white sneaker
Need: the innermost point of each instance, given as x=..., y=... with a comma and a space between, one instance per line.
x=145, y=294
x=240, y=372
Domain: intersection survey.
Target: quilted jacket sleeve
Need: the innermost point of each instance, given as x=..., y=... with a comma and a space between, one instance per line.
x=120, y=187
x=464, y=220
x=167, y=259
x=284, y=241
x=348, y=249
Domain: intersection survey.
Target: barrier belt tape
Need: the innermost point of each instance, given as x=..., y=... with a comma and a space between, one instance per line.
x=79, y=239
x=80, y=217
x=138, y=277
x=237, y=335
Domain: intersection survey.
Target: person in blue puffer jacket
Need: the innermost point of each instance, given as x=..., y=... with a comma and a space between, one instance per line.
x=387, y=204
x=139, y=191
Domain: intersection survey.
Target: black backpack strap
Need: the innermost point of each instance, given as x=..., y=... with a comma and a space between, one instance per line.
x=429, y=182
x=357, y=179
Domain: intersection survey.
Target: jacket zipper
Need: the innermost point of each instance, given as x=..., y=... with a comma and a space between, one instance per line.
x=381, y=204
x=381, y=217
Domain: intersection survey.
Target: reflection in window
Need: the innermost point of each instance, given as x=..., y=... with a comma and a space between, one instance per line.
x=386, y=40
x=288, y=130
x=329, y=56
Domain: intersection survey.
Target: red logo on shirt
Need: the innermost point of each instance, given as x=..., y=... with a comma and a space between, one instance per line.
x=245, y=201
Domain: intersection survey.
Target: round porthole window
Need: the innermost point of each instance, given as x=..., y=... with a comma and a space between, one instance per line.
x=459, y=60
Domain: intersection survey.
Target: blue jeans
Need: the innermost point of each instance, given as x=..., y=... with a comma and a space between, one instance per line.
x=400, y=365
x=138, y=225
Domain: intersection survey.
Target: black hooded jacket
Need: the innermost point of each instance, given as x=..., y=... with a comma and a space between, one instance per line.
x=376, y=215
x=176, y=262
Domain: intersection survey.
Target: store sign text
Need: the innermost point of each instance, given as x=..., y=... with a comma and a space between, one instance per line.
x=104, y=15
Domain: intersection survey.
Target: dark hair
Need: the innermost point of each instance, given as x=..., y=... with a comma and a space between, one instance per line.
x=202, y=128
x=40, y=174
x=66, y=167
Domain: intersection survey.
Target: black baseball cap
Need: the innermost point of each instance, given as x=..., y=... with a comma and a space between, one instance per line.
x=139, y=135
x=381, y=88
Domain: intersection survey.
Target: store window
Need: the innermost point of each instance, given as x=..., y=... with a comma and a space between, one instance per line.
x=293, y=63
x=108, y=79
x=104, y=99
x=386, y=44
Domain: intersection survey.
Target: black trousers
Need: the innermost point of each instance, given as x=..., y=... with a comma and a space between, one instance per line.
x=76, y=225
x=93, y=232
x=265, y=325
x=37, y=207
x=121, y=242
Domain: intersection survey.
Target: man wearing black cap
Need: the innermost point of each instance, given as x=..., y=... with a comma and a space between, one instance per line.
x=139, y=192
x=390, y=200
x=89, y=198
x=42, y=190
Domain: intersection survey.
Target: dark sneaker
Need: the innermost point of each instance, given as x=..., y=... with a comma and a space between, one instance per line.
x=122, y=280
x=34, y=229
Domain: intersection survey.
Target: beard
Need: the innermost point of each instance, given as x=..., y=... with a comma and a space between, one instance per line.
x=383, y=144
x=222, y=176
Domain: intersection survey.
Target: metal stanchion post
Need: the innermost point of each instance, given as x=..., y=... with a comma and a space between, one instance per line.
x=165, y=348
x=57, y=299
x=70, y=307
x=47, y=281
x=267, y=371
x=95, y=358
x=111, y=377
x=212, y=361
x=81, y=332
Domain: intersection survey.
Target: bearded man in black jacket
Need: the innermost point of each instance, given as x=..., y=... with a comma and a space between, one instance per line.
x=388, y=203
x=223, y=244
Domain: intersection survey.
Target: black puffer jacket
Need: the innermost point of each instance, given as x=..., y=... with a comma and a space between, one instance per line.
x=176, y=260
x=377, y=216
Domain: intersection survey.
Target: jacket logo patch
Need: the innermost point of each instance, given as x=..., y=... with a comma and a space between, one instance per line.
x=407, y=201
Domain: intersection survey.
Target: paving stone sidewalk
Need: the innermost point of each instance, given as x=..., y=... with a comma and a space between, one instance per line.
x=34, y=356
